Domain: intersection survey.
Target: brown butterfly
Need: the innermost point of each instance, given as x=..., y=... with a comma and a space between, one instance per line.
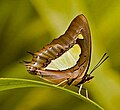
x=76, y=75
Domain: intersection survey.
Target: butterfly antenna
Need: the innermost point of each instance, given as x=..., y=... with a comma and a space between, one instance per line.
x=104, y=57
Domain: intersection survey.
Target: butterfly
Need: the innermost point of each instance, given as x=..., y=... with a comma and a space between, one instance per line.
x=75, y=75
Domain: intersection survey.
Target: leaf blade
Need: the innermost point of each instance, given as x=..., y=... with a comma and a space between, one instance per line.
x=12, y=83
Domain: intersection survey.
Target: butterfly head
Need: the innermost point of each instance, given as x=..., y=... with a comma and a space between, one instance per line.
x=86, y=78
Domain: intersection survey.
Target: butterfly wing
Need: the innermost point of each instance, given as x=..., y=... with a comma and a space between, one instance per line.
x=58, y=47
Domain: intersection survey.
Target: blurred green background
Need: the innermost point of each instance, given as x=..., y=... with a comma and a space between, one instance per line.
x=28, y=25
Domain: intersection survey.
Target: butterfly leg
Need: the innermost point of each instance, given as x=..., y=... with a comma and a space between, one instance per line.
x=86, y=92
x=80, y=88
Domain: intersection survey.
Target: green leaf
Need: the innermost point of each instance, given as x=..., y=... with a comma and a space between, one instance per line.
x=12, y=83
